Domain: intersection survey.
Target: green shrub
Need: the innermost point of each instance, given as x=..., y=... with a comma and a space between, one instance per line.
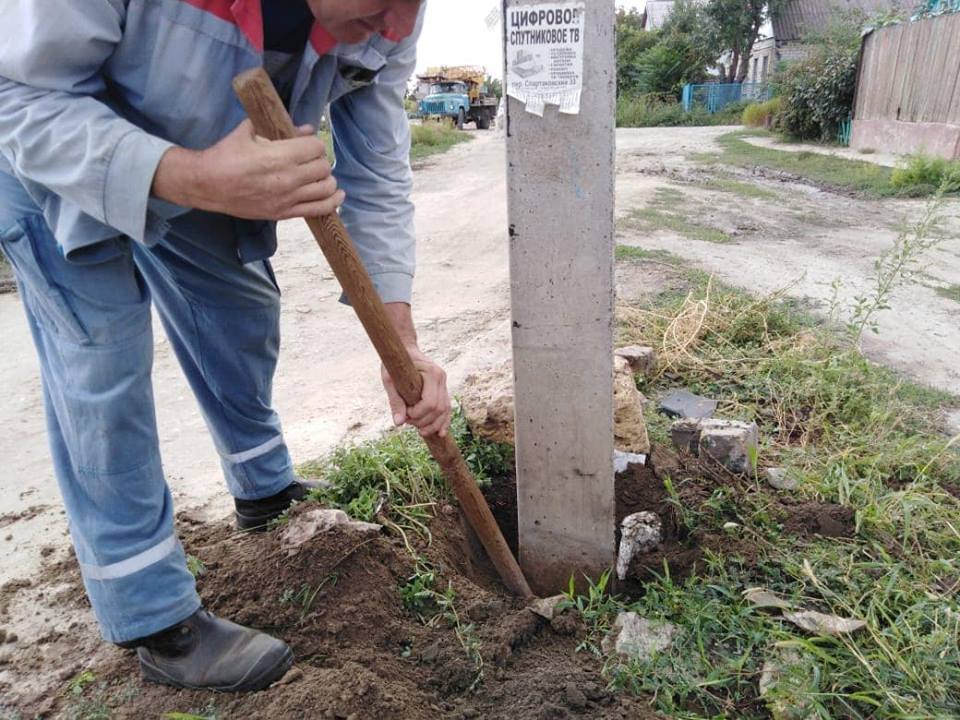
x=817, y=93
x=761, y=114
x=922, y=174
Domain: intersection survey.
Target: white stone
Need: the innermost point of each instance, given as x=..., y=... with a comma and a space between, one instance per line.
x=623, y=461
x=778, y=478
x=636, y=637
x=308, y=525
x=546, y=607
x=640, y=533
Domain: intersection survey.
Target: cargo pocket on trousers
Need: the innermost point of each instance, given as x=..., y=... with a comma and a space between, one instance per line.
x=40, y=293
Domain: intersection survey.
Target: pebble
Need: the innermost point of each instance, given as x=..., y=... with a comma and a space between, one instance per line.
x=574, y=697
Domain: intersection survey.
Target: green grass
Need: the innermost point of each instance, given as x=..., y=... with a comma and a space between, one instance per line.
x=673, y=211
x=951, y=292
x=396, y=474
x=824, y=170
x=654, y=111
x=854, y=434
x=760, y=114
x=632, y=253
x=432, y=138
x=921, y=175
x=740, y=189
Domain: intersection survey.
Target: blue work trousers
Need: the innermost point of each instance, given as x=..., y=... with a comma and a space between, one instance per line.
x=91, y=323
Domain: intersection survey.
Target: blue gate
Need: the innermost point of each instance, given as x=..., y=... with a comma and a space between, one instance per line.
x=715, y=96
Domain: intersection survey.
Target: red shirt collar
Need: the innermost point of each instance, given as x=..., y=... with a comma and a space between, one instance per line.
x=323, y=42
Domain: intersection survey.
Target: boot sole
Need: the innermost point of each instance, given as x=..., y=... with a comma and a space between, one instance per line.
x=151, y=673
x=255, y=523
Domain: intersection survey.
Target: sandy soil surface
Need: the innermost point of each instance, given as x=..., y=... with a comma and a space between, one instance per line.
x=328, y=389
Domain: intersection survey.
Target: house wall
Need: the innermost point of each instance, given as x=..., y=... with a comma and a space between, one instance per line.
x=908, y=90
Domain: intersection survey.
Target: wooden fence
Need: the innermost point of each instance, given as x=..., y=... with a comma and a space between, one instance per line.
x=909, y=83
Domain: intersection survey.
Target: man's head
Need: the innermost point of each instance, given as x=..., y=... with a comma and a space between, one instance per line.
x=353, y=21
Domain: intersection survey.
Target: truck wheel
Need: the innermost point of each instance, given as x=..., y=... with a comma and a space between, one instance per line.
x=483, y=121
x=461, y=119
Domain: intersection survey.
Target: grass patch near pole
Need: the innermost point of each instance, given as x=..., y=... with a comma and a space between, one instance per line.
x=853, y=434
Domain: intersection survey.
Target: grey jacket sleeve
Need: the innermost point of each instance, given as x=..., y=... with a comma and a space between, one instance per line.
x=372, y=146
x=53, y=129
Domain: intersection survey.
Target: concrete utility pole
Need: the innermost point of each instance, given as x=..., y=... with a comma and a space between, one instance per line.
x=561, y=209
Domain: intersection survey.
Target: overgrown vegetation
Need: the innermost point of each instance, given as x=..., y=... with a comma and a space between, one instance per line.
x=663, y=61
x=817, y=92
x=658, y=110
x=924, y=174
x=430, y=138
x=852, y=433
x=761, y=115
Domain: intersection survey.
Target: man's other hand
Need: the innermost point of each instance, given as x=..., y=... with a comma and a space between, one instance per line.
x=431, y=416
x=249, y=177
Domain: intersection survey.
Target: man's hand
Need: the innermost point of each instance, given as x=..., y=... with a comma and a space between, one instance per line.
x=431, y=416
x=249, y=177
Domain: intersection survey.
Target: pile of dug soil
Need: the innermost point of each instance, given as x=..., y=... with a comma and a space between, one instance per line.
x=360, y=653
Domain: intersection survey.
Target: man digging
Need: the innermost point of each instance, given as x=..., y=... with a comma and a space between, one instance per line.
x=129, y=177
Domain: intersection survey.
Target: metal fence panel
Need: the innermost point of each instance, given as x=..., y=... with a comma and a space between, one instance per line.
x=713, y=97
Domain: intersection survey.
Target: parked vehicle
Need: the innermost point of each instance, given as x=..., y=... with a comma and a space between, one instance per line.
x=461, y=94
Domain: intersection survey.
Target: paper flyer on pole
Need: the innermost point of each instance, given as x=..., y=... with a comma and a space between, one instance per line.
x=544, y=48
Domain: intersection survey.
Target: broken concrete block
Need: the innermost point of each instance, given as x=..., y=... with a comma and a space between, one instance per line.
x=636, y=637
x=684, y=404
x=731, y=443
x=639, y=533
x=623, y=461
x=778, y=478
x=629, y=426
x=642, y=359
x=686, y=436
x=308, y=525
x=487, y=402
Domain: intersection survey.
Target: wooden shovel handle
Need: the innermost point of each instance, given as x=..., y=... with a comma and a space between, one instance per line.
x=271, y=120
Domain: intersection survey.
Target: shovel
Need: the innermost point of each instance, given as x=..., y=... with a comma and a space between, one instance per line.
x=271, y=120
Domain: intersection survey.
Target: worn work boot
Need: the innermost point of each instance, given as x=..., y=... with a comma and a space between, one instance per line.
x=205, y=652
x=256, y=515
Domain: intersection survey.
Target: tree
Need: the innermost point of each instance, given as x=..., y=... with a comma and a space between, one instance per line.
x=494, y=86
x=736, y=27
x=632, y=42
x=685, y=48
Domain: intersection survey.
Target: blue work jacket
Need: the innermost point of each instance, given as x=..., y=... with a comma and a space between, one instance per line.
x=93, y=93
